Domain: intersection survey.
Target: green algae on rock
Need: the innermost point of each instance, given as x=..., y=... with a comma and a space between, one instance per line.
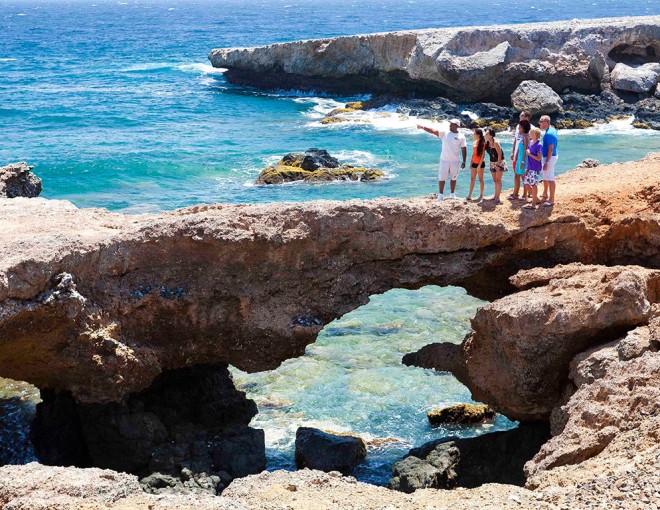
x=461, y=414
x=314, y=166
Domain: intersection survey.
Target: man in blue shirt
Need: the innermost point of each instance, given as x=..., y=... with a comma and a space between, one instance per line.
x=549, y=153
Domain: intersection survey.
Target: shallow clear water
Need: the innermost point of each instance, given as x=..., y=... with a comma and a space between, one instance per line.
x=116, y=106
x=352, y=380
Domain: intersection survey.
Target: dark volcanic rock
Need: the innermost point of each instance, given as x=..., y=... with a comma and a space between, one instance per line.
x=190, y=419
x=316, y=449
x=491, y=458
x=16, y=180
x=318, y=158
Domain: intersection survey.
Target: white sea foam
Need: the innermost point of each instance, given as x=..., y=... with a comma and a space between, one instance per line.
x=621, y=127
x=7, y=59
x=202, y=68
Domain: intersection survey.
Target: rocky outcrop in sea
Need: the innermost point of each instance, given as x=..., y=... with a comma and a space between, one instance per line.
x=599, y=68
x=314, y=165
x=466, y=64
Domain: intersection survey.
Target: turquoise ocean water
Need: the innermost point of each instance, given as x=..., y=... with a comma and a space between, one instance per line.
x=116, y=106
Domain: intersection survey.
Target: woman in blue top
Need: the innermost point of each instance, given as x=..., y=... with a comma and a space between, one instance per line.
x=519, y=163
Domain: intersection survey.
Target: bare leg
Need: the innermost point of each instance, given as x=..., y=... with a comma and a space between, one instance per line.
x=535, y=196
x=473, y=178
x=481, y=183
x=497, y=177
x=441, y=186
x=516, y=185
x=452, y=185
x=551, y=199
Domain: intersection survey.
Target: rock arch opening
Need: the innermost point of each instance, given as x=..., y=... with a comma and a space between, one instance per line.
x=635, y=54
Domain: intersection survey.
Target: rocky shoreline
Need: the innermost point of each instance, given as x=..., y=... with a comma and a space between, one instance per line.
x=117, y=316
x=598, y=69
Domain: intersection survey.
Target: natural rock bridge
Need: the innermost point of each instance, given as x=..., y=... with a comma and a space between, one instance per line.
x=111, y=315
x=99, y=303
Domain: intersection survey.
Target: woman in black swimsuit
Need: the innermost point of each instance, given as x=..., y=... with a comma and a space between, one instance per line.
x=497, y=163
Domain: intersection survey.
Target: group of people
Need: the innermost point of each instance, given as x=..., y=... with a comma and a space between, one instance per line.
x=533, y=157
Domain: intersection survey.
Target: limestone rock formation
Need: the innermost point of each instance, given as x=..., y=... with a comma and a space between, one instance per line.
x=516, y=358
x=320, y=450
x=465, y=64
x=460, y=414
x=314, y=165
x=535, y=97
x=640, y=79
x=17, y=180
x=111, y=301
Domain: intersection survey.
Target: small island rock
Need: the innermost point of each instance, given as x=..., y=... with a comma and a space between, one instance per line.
x=316, y=449
x=314, y=165
x=536, y=98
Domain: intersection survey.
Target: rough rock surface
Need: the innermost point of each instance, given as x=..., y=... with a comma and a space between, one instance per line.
x=517, y=357
x=616, y=388
x=640, y=79
x=536, y=97
x=16, y=180
x=473, y=63
x=461, y=414
x=498, y=457
x=320, y=450
x=99, y=303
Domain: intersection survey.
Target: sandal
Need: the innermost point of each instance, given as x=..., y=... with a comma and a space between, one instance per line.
x=530, y=207
x=547, y=204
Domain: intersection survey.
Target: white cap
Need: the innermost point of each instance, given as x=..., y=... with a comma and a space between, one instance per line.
x=455, y=121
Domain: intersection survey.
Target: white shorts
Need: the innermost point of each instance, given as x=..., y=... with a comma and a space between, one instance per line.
x=549, y=173
x=449, y=169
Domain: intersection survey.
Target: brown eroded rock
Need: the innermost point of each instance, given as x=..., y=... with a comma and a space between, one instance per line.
x=615, y=387
x=517, y=357
x=100, y=303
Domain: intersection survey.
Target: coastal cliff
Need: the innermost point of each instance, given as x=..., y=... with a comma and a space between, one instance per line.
x=465, y=64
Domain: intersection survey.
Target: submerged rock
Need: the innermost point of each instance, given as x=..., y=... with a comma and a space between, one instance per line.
x=314, y=165
x=17, y=180
x=320, y=450
x=460, y=414
x=536, y=97
x=498, y=457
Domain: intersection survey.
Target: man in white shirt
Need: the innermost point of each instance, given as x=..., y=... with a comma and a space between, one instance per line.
x=452, y=157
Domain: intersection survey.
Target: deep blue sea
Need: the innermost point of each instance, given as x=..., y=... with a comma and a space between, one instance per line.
x=116, y=106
